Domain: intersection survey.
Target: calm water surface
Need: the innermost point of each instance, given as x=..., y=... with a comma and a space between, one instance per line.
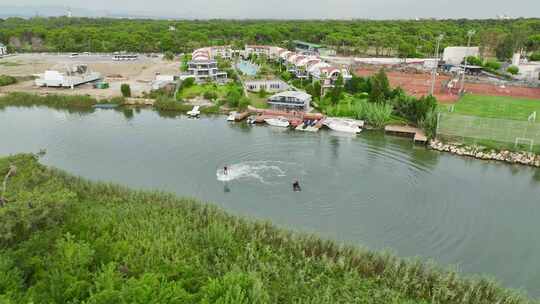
x=372, y=190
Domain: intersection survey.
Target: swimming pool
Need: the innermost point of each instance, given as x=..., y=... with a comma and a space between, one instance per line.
x=247, y=68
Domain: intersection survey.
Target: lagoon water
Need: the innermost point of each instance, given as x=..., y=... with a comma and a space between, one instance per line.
x=372, y=190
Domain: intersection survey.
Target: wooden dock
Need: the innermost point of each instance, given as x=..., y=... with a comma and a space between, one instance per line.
x=241, y=116
x=416, y=134
x=291, y=115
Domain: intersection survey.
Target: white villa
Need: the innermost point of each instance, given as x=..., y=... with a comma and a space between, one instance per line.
x=270, y=85
x=327, y=75
x=304, y=66
x=291, y=100
x=203, y=67
x=271, y=52
x=224, y=52
x=3, y=49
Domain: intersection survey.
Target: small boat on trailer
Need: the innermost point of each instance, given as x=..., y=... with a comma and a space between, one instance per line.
x=195, y=112
x=278, y=122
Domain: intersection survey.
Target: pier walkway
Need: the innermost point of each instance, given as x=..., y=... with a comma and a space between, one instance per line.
x=416, y=134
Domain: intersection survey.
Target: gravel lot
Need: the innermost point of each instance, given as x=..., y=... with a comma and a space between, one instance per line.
x=139, y=74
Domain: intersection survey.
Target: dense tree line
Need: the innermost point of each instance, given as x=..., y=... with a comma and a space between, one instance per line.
x=393, y=37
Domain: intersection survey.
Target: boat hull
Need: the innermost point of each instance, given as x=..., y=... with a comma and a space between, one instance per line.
x=277, y=122
x=344, y=128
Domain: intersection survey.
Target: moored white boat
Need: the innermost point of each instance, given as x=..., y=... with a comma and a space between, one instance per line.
x=277, y=122
x=344, y=125
x=194, y=112
x=232, y=116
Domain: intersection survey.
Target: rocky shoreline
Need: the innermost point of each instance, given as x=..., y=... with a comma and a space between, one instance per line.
x=522, y=158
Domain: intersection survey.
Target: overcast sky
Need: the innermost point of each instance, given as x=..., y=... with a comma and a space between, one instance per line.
x=311, y=9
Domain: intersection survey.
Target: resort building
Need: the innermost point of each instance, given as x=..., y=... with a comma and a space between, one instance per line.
x=327, y=74
x=203, y=67
x=270, y=85
x=304, y=65
x=291, y=101
x=3, y=49
x=257, y=50
x=224, y=52
x=272, y=52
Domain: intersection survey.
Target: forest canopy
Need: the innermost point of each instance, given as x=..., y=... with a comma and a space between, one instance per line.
x=370, y=37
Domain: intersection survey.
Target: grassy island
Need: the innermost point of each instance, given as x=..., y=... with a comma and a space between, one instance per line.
x=64, y=239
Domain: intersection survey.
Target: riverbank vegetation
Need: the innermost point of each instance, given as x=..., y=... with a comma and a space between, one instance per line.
x=55, y=101
x=373, y=100
x=67, y=240
x=364, y=37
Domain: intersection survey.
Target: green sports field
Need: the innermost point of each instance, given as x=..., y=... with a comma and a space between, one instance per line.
x=497, y=107
x=497, y=122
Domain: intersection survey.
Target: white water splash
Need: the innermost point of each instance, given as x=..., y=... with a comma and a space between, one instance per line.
x=262, y=171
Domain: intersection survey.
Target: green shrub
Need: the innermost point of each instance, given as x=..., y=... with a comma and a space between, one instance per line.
x=210, y=95
x=262, y=93
x=429, y=124
x=126, y=90
x=233, y=96
x=411, y=108
x=188, y=82
x=473, y=60
x=380, y=87
x=164, y=103
x=514, y=70
x=243, y=103
x=535, y=56
x=286, y=76
x=492, y=65
x=168, y=56
x=357, y=85
x=185, y=60
x=7, y=80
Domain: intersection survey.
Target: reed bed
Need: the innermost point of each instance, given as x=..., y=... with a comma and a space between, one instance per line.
x=377, y=115
x=69, y=102
x=105, y=243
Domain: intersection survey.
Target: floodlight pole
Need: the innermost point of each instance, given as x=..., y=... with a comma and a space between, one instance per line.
x=434, y=72
x=470, y=34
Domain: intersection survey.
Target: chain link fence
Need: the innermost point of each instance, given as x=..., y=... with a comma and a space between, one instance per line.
x=523, y=135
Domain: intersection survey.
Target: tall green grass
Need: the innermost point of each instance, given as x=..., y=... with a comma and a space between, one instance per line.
x=107, y=244
x=79, y=102
x=376, y=115
x=53, y=101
